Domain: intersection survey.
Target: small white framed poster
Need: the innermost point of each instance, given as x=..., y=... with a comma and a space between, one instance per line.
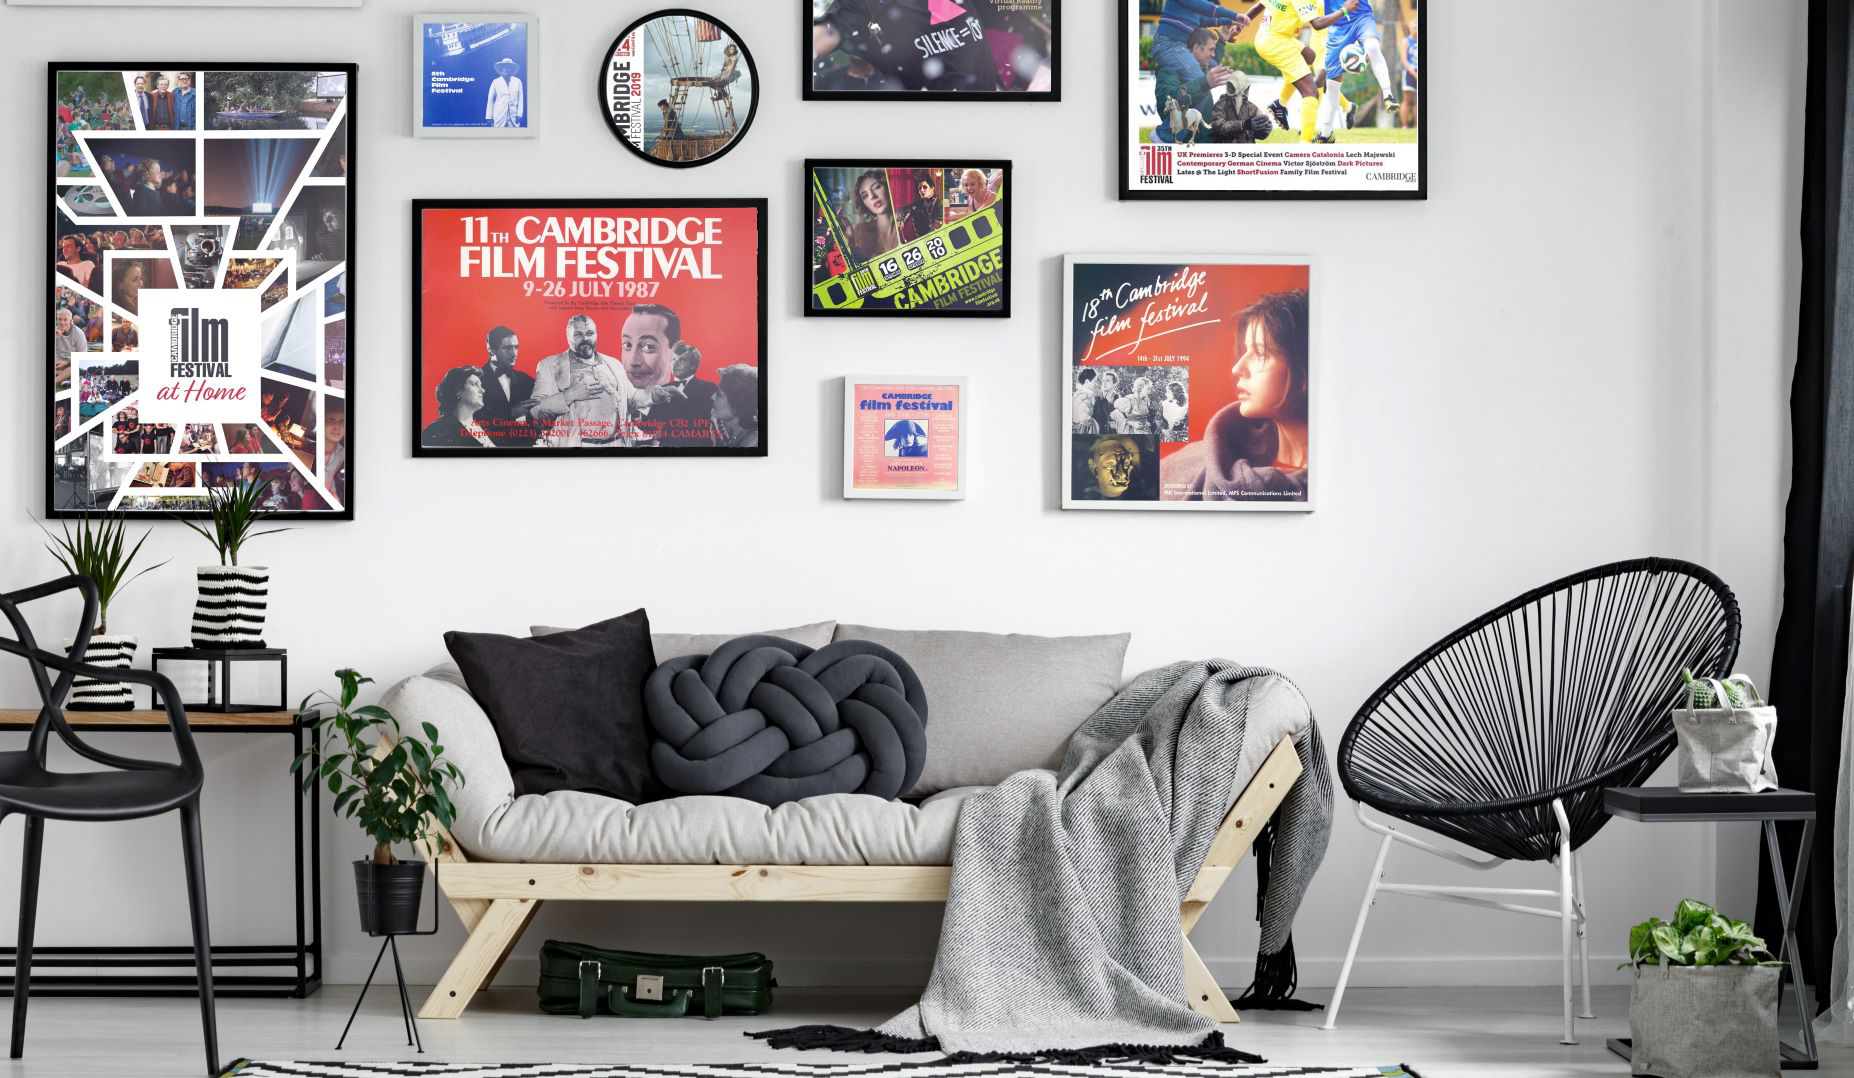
x=474, y=75
x=904, y=437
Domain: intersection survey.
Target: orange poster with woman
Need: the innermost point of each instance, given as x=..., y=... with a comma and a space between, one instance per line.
x=1188, y=384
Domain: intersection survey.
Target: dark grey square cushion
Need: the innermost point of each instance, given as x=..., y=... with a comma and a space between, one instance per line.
x=568, y=708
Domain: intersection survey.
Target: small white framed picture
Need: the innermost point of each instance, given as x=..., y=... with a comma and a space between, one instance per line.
x=474, y=75
x=904, y=437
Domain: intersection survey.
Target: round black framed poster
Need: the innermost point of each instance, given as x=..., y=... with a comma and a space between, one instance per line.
x=679, y=88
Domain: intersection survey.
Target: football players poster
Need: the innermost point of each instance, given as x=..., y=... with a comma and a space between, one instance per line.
x=199, y=215
x=589, y=327
x=1270, y=99
x=904, y=437
x=1189, y=383
x=904, y=237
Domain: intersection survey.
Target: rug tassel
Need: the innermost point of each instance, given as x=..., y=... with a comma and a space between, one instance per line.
x=843, y=1039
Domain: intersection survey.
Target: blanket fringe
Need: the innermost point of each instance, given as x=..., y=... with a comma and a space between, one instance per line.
x=1276, y=978
x=844, y=1039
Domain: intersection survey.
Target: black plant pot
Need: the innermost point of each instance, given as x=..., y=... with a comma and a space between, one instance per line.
x=389, y=896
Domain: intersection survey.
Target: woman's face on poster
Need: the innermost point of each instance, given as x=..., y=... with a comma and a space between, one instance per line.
x=1263, y=378
x=873, y=194
x=974, y=186
x=723, y=412
x=471, y=395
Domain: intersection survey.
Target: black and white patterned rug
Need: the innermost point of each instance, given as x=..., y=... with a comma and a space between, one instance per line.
x=927, y=1069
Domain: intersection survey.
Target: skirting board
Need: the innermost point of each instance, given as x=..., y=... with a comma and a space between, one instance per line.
x=1454, y=971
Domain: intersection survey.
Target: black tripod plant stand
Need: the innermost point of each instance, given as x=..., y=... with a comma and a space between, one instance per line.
x=389, y=941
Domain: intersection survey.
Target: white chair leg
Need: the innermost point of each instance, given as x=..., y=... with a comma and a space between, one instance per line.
x=1567, y=929
x=1583, y=936
x=1358, y=931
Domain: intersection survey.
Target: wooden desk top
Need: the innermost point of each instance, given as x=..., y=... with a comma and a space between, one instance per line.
x=156, y=720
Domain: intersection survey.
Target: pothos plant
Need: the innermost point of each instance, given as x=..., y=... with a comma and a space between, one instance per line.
x=392, y=783
x=1698, y=936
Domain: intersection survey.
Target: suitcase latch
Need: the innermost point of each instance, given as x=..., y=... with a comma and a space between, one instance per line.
x=649, y=986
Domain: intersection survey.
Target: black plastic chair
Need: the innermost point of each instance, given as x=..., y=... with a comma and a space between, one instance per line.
x=1503, y=735
x=129, y=789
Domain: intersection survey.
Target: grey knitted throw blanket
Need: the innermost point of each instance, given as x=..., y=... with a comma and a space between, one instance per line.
x=1061, y=937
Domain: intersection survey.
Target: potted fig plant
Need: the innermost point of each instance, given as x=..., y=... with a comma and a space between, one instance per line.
x=98, y=548
x=394, y=784
x=233, y=598
x=1704, y=1002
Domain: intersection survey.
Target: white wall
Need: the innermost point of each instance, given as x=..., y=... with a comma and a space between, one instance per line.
x=1516, y=375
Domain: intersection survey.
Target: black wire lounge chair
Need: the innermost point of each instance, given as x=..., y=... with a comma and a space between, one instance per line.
x=1503, y=735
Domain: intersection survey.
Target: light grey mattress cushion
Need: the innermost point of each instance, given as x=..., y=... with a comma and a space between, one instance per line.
x=1000, y=703
x=571, y=827
x=675, y=645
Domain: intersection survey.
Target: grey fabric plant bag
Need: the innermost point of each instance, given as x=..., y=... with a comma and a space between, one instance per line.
x=1725, y=748
x=1705, y=1021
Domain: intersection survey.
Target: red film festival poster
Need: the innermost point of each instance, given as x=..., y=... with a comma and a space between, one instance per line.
x=905, y=439
x=1189, y=384
x=590, y=327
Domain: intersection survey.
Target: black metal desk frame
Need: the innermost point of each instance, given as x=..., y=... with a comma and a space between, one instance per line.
x=1666, y=804
x=303, y=958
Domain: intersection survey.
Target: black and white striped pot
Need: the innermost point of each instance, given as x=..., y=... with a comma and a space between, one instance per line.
x=113, y=653
x=231, y=607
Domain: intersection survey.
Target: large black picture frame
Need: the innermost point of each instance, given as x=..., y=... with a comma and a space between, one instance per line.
x=419, y=206
x=1054, y=93
x=808, y=211
x=1128, y=192
x=350, y=147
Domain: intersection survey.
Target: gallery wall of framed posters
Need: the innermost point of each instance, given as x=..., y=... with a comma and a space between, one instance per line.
x=589, y=327
x=198, y=292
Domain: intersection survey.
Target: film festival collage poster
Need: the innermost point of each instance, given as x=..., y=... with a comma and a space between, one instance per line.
x=904, y=437
x=1188, y=384
x=198, y=291
x=909, y=238
x=606, y=327
x=1312, y=99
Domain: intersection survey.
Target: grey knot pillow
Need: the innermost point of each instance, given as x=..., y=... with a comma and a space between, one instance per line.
x=773, y=721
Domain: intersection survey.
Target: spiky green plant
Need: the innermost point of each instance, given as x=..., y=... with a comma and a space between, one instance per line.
x=98, y=549
x=234, y=511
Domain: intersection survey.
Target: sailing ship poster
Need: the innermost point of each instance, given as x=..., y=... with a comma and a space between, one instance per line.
x=908, y=237
x=679, y=88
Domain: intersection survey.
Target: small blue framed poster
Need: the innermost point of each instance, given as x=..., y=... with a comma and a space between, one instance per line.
x=474, y=75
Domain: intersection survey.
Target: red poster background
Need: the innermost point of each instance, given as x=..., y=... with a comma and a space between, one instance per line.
x=720, y=317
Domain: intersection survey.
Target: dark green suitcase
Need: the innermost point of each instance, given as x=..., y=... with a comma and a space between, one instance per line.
x=582, y=980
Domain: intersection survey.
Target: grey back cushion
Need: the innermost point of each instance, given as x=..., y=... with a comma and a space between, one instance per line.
x=1000, y=703
x=675, y=645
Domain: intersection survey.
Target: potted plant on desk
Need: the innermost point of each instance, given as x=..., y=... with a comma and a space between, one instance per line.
x=393, y=783
x=98, y=548
x=233, y=598
x=1704, y=1004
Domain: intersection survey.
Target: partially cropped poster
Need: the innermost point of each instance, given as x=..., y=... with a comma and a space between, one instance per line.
x=1271, y=99
x=904, y=438
x=909, y=238
x=589, y=327
x=1189, y=383
x=197, y=287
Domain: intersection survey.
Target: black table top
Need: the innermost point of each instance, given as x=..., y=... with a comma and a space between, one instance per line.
x=218, y=654
x=1653, y=803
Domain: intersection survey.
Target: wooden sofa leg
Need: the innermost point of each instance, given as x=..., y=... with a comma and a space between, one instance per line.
x=482, y=954
x=1202, y=991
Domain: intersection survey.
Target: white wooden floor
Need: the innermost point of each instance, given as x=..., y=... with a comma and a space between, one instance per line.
x=1441, y=1032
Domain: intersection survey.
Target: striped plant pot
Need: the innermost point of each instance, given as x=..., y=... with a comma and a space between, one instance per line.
x=114, y=653
x=230, y=610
